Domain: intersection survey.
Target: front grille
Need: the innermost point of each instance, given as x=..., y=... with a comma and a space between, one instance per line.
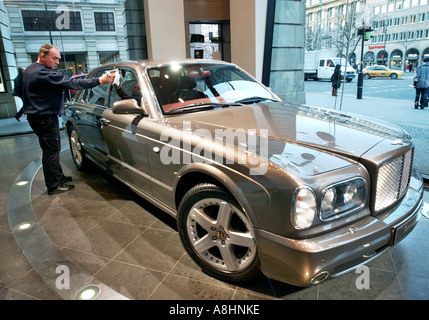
x=392, y=181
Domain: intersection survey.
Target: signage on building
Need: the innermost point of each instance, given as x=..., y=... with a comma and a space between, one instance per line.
x=375, y=47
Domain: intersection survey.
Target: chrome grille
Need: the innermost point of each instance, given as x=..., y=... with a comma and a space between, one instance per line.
x=392, y=181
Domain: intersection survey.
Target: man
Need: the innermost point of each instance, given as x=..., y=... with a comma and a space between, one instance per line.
x=422, y=84
x=43, y=102
x=17, y=90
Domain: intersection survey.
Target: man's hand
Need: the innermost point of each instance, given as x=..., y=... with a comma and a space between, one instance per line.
x=107, y=78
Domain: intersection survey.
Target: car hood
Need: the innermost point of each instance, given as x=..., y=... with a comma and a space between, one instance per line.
x=294, y=134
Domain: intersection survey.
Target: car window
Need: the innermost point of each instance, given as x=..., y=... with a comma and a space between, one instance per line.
x=200, y=86
x=96, y=95
x=129, y=88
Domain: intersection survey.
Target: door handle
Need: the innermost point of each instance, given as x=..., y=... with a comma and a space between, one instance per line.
x=104, y=121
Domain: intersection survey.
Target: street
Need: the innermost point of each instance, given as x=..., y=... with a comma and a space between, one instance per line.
x=382, y=88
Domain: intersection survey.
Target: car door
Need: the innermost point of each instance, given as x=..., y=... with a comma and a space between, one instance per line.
x=125, y=134
x=87, y=114
x=326, y=67
x=382, y=72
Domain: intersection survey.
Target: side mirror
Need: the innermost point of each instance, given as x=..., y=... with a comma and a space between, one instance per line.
x=128, y=106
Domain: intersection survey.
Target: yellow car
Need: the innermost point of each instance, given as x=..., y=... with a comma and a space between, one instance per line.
x=381, y=71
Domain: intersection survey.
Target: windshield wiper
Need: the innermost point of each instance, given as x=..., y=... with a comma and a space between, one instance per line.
x=255, y=99
x=202, y=106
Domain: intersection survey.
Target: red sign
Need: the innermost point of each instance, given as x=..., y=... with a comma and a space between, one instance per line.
x=375, y=47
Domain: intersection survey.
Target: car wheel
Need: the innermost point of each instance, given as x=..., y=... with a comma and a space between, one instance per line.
x=217, y=234
x=393, y=76
x=366, y=76
x=77, y=151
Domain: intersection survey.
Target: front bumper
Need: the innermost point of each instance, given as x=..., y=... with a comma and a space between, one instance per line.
x=310, y=261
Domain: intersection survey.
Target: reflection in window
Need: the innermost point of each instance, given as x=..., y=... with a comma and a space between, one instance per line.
x=96, y=95
x=129, y=89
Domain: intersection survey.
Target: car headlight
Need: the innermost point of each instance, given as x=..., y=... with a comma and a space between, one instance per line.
x=342, y=198
x=304, y=208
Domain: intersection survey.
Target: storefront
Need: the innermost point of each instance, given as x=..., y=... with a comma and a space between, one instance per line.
x=396, y=60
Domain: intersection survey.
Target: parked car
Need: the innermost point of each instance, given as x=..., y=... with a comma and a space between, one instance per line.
x=381, y=71
x=300, y=193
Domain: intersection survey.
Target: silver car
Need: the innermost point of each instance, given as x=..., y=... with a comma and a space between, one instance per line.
x=256, y=184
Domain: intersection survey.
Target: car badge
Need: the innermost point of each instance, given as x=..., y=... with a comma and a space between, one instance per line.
x=397, y=142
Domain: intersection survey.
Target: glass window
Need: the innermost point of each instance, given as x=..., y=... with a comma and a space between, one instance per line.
x=406, y=4
x=129, y=89
x=104, y=21
x=96, y=95
x=38, y=20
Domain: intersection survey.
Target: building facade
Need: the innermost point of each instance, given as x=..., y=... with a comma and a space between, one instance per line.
x=400, y=36
x=88, y=33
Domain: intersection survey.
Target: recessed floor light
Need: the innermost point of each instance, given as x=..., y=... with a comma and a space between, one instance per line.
x=24, y=226
x=88, y=293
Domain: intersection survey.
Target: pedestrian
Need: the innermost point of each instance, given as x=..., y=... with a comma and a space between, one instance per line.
x=43, y=103
x=421, y=81
x=336, y=79
x=17, y=90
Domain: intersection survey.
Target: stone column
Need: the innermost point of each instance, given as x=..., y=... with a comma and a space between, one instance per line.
x=286, y=77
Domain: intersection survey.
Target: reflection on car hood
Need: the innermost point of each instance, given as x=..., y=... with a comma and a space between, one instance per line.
x=294, y=129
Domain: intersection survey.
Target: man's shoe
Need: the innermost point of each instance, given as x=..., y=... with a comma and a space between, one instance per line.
x=66, y=179
x=61, y=189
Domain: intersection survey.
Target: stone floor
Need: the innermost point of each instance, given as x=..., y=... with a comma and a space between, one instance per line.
x=104, y=234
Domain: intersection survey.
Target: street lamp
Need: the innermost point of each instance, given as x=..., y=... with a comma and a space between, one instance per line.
x=365, y=33
x=48, y=24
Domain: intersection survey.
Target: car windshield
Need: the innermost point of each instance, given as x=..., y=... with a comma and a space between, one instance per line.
x=340, y=61
x=192, y=87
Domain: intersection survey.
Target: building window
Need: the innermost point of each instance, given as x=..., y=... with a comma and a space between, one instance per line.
x=104, y=21
x=46, y=21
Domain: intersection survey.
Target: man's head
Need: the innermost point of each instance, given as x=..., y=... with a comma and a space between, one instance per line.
x=49, y=56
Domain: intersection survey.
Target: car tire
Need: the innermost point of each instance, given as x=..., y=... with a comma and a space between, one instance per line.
x=77, y=150
x=217, y=234
x=394, y=76
x=366, y=76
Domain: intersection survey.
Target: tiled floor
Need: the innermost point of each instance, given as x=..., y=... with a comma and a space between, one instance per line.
x=115, y=238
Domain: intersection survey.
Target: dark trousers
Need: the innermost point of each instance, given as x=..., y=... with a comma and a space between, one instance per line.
x=422, y=96
x=46, y=127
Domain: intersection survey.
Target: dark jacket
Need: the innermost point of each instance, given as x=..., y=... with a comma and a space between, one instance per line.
x=422, y=76
x=43, y=89
x=336, y=77
x=17, y=85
